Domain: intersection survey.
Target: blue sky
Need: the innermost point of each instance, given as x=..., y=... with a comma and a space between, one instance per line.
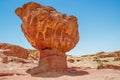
x=98, y=20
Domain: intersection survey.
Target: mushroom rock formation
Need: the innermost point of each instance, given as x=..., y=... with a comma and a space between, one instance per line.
x=49, y=31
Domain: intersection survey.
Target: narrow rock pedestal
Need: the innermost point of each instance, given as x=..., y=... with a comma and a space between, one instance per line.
x=53, y=60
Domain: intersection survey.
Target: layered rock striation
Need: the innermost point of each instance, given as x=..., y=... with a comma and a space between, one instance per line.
x=49, y=31
x=13, y=50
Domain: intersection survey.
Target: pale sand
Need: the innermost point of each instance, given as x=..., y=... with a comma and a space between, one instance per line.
x=75, y=73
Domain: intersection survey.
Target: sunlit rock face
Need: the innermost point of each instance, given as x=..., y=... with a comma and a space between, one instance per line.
x=49, y=31
x=13, y=50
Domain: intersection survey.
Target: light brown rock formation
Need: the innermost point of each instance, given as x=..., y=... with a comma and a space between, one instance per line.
x=49, y=31
x=109, y=66
x=34, y=54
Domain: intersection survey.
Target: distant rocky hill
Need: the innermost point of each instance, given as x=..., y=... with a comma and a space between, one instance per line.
x=13, y=50
x=99, y=60
x=17, y=51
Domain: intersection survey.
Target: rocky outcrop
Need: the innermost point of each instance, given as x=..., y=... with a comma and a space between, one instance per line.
x=13, y=50
x=49, y=31
x=112, y=54
x=5, y=59
x=34, y=54
x=110, y=66
x=117, y=59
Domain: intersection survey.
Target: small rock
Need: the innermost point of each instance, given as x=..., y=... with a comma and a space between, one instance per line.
x=5, y=59
x=71, y=60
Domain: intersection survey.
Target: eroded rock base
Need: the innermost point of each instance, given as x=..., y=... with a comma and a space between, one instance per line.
x=51, y=60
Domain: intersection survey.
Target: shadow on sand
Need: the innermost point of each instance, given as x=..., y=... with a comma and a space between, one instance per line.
x=73, y=71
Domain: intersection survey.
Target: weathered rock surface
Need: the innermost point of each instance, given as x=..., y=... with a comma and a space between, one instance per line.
x=13, y=50
x=34, y=54
x=44, y=27
x=49, y=31
x=110, y=66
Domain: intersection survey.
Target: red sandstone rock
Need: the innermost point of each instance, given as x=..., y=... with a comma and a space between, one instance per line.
x=49, y=31
x=44, y=27
x=71, y=60
x=13, y=50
